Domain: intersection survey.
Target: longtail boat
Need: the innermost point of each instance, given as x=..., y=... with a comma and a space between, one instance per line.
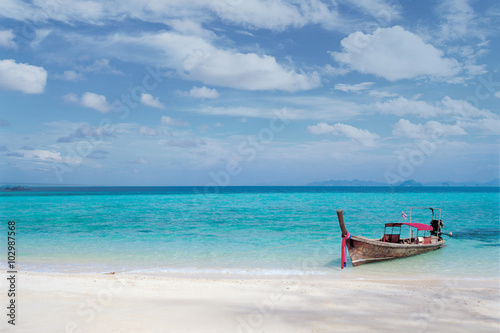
x=392, y=246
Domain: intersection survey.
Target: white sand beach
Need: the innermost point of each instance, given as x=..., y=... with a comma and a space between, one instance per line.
x=49, y=302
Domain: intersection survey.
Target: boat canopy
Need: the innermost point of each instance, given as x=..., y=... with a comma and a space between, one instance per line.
x=419, y=226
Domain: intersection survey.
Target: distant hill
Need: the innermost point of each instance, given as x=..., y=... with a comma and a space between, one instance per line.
x=408, y=183
x=354, y=182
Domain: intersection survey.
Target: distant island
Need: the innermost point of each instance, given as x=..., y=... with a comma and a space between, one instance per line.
x=410, y=183
x=407, y=183
x=17, y=188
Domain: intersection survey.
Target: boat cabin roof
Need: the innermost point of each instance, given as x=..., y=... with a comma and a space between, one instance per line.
x=419, y=226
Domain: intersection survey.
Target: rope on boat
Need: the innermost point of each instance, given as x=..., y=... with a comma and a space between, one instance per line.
x=249, y=252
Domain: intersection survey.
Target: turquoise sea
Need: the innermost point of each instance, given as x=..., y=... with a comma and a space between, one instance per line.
x=242, y=230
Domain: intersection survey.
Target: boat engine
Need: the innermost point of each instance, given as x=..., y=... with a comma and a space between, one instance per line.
x=436, y=227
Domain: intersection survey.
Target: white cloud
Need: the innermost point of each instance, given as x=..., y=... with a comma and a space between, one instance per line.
x=100, y=66
x=7, y=39
x=275, y=15
x=361, y=136
x=166, y=120
x=39, y=36
x=190, y=27
x=149, y=100
x=71, y=98
x=22, y=77
x=85, y=132
x=203, y=92
x=148, y=131
x=255, y=14
x=71, y=11
x=382, y=10
x=44, y=155
x=69, y=76
x=381, y=94
x=353, y=87
x=430, y=130
x=447, y=107
x=90, y=100
x=497, y=94
x=319, y=108
x=395, y=54
x=329, y=70
x=95, y=101
x=194, y=58
x=140, y=160
x=460, y=20
x=401, y=106
x=489, y=125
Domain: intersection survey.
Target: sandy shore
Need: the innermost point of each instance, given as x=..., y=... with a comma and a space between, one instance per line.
x=132, y=303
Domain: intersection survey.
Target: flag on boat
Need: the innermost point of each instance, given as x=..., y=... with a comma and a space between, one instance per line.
x=404, y=215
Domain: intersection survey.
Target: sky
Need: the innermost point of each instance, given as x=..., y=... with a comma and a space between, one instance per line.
x=248, y=92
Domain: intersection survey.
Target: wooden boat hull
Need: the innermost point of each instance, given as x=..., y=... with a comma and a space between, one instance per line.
x=363, y=250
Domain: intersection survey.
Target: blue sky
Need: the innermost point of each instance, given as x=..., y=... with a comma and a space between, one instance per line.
x=254, y=92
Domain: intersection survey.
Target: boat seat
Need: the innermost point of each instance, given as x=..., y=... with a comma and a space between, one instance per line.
x=389, y=238
x=427, y=240
x=395, y=239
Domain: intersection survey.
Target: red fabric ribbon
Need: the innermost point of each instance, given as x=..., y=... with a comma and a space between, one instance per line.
x=343, y=259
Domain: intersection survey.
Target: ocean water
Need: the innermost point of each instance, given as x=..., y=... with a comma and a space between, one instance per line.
x=243, y=230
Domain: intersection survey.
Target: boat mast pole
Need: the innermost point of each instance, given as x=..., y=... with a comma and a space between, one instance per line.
x=340, y=216
x=409, y=228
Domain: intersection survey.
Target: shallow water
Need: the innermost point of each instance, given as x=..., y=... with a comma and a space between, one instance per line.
x=243, y=230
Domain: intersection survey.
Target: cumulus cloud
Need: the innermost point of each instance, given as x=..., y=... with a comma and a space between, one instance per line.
x=361, y=136
x=166, y=120
x=149, y=100
x=395, y=54
x=22, y=77
x=7, y=39
x=203, y=92
x=95, y=101
x=430, y=130
x=353, y=87
x=90, y=100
